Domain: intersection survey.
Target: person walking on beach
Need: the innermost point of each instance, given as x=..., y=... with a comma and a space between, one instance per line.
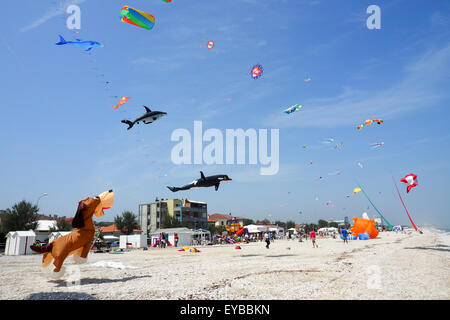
x=344, y=235
x=176, y=239
x=266, y=238
x=313, y=238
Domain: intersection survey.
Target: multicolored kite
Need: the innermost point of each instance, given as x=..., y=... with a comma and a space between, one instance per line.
x=137, y=17
x=121, y=102
x=410, y=180
x=256, y=71
x=369, y=122
x=294, y=108
x=210, y=44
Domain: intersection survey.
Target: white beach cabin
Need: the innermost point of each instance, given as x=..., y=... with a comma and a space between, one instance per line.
x=135, y=240
x=19, y=242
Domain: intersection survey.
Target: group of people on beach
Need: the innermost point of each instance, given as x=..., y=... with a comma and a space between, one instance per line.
x=163, y=240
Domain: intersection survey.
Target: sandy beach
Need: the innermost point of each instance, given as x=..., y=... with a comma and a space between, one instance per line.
x=393, y=266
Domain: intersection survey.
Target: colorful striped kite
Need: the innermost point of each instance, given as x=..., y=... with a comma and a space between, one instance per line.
x=294, y=108
x=137, y=17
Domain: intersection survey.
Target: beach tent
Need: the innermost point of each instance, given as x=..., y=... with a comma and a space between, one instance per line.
x=57, y=234
x=397, y=228
x=19, y=242
x=133, y=240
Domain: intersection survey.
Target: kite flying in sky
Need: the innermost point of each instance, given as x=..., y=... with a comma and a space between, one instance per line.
x=369, y=122
x=137, y=17
x=356, y=190
x=377, y=144
x=88, y=45
x=410, y=180
x=121, y=102
x=203, y=182
x=256, y=71
x=148, y=117
x=294, y=108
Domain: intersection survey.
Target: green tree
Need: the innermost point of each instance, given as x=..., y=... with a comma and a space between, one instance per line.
x=290, y=224
x=22, y=216
x=265, y=221
x=322, y=223
x=246, y=222
x=171, y=222
x=126, y=223
x=280, y=224
x=334, y=224
x=215, y=229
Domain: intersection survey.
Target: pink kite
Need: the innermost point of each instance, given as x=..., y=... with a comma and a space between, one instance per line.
x=410, y=180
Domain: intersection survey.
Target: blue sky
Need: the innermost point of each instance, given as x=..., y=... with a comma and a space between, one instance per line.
x=60, y=135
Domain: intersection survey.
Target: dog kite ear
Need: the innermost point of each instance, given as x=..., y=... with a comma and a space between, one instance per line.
x=78, y=221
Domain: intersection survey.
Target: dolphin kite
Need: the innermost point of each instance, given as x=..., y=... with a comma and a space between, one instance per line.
x=148, y=117
x=88, y=45
x=203, y=182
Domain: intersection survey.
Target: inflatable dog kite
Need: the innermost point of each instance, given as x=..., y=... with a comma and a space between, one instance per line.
x=78, y=242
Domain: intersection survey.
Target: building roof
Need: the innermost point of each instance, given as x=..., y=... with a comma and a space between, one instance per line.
x=193, y=201
x=218, y=216
x=29, y=233
x=113, y=228
x=45, y=225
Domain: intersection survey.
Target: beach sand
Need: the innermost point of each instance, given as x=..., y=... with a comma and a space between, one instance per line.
x=393, y=266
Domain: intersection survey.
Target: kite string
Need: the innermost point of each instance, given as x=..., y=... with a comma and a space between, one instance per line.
x=398, y=192
x=390, y=226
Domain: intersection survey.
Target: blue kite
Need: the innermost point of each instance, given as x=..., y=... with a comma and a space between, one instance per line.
x=88, y=45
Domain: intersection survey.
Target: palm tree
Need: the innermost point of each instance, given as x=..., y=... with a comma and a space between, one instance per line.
x=127, y=222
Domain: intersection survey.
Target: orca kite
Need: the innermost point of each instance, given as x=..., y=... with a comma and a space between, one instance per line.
x=203, y=182
x=148, y=117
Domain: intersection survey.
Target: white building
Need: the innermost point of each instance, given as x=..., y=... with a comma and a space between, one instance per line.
x=43, y=229
x=133, y=241
x=186, y=237
x=260, y=228
x=19, y=242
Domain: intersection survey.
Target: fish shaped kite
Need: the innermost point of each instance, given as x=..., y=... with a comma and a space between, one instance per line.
x=121, y=102
x=410, y=180
x=88, y=45
x=136, y=17
x=356, y=190
x=369, y=122
x=294, y=108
